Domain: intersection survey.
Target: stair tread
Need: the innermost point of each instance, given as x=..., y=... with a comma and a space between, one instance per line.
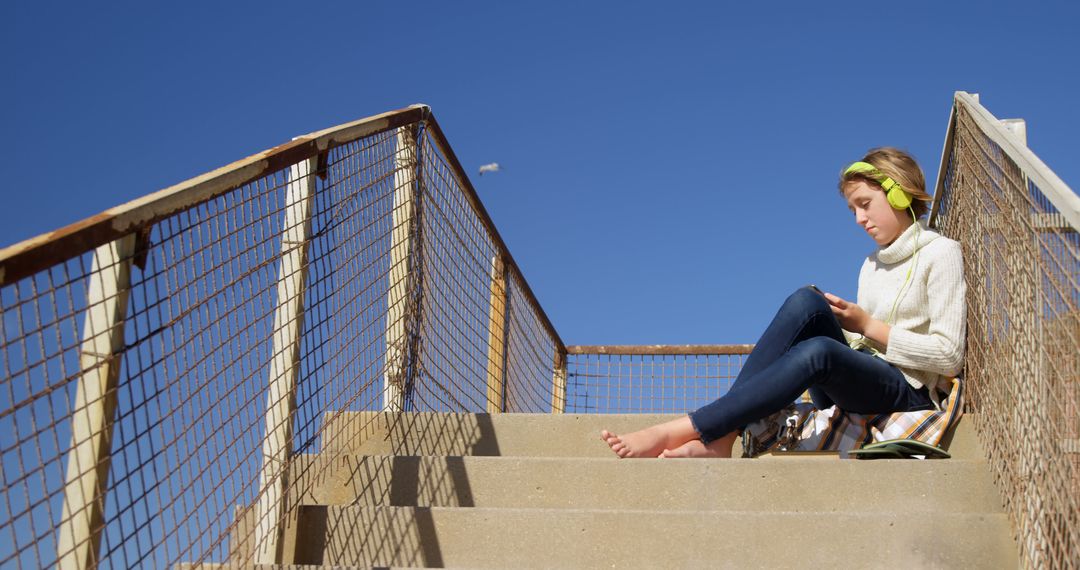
x=557, y=513
x=827, y=486
x=553, y=435
x=582, y=537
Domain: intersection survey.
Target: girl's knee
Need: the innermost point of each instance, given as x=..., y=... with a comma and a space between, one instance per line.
x=806, y=300
x=817, y=353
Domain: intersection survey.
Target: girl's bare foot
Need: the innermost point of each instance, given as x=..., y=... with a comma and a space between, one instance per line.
x=651, y=441
x=718, y=449
x=645, y=443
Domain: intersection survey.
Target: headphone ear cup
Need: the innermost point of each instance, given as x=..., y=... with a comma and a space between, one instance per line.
x=898, y=198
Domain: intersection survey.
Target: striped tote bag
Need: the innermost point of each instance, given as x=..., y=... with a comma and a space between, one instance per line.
x=802, y=427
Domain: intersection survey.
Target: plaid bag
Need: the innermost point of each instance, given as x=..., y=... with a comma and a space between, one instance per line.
x=802, y=427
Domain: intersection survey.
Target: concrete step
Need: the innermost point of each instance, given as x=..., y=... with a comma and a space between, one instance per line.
x=436, y=537
x=796, y=483
x=535, y=435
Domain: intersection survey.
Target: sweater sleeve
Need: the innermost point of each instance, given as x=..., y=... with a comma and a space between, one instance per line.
x=941, y=348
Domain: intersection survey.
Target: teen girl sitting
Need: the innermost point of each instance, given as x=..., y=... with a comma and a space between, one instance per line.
x=891, y=351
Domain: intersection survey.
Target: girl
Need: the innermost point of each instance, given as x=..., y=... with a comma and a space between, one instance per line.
x=890, y=351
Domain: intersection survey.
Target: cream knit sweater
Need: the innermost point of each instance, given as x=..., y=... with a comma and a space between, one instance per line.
x=926, y=341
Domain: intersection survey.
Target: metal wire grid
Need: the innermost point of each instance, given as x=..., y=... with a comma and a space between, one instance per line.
x=192, y=392
x=648, y=383
x=199, y=329
x=530, y=355
x=349, y=274
x=1023, y=356
x=40, y=342
x=195, y=338
x=456, y=256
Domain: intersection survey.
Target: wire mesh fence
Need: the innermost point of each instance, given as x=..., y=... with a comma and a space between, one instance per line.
x=165, y=369
x=649, y=379
x=175, y=372
x=1022, y=255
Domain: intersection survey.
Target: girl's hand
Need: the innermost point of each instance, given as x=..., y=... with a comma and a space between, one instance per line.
x=851, y=316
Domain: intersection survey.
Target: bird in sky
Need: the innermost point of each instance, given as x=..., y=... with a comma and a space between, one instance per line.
x=491, y=167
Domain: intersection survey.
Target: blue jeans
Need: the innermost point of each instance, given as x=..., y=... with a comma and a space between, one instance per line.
x=804, y=348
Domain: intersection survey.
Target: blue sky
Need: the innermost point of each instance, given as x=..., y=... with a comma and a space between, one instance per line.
x=669, y=170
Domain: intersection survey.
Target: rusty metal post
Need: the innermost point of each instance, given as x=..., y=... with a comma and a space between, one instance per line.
x=497, y=321
x=401, y=310
x=284, y=363
x=558, y=383
x=81, y=524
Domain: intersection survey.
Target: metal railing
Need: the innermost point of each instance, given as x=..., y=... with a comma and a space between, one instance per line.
x=173, y=368
x=1017, y=223
x=165, y=363
x=650, y=379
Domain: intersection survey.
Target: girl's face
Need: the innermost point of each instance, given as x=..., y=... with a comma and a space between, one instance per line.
x=873, y=212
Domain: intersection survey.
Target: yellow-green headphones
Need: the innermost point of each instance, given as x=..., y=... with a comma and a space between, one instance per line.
x=896, y=195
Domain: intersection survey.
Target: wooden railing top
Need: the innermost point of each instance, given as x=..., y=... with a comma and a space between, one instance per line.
x=41, y=252
x=1053, y=187
x=38, y=253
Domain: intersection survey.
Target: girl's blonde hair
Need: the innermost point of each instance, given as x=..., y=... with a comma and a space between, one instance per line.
x=902, y=168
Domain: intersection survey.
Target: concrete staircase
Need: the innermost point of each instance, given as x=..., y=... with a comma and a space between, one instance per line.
x=524, y=490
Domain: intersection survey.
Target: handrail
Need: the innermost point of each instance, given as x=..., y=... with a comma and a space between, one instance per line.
x=943, y=165
x=650, y=378
x=1053, y=187
x=35, y=254
x=32, y=255
x=1021, y=262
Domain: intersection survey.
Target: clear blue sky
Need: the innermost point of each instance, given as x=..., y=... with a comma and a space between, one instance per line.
x=669, y=171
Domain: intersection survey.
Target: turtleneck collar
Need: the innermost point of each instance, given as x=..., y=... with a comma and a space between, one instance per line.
x=904, y=246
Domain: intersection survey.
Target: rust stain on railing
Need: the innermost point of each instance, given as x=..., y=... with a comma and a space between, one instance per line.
x=35, y=254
